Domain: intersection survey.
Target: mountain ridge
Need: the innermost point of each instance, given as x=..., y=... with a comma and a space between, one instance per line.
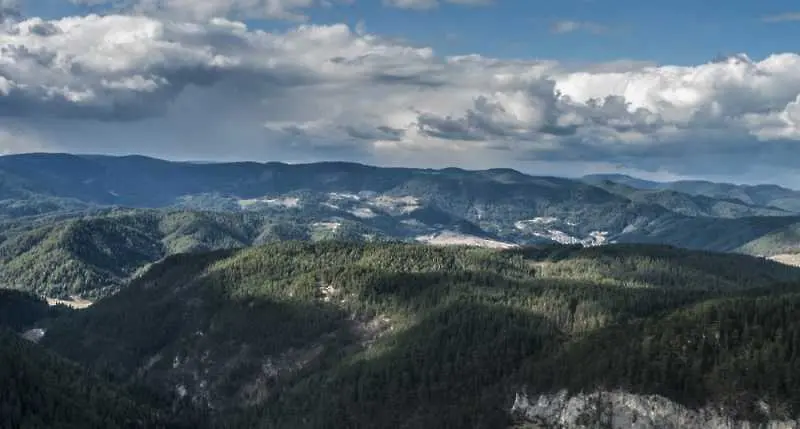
x=759, y=194
x=63, y=215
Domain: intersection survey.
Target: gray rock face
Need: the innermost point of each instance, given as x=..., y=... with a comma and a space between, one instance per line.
x=619, y=410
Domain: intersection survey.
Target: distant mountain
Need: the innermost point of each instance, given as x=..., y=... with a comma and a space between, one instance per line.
x=85, y=225
x=768, y=196
x=302, y=335
x=689, y=204
x=623, y=179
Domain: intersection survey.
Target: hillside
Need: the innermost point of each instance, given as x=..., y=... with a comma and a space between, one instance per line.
x=395, y=335
x=689, y=204
x=20, y=310
x=44, y=391
x=764, y=195
x=498, y=204
x=94, y=222
x=94, y=255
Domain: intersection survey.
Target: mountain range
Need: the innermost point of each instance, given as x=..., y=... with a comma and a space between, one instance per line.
x=334, y=295
x=763, y=195
x=83, y=225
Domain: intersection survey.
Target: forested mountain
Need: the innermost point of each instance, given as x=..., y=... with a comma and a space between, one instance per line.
x=92, y=256
x=447, y=205
x=44, y=391
x=283, y=296
x=329, y=335
x=684, y=202
x=84, y=225
x=19, y=310
x=757, y=195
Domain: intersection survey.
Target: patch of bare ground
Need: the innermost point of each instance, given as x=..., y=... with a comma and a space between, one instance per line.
x=75, y=302
x=792, y=259
x=450, y=238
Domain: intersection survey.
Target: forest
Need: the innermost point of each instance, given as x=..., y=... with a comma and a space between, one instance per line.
x=334, y=334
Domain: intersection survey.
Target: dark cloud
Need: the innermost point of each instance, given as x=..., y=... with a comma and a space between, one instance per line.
x=377, y=133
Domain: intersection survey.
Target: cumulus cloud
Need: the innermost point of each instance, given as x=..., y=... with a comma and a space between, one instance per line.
x=291, y=10
x=218, y=89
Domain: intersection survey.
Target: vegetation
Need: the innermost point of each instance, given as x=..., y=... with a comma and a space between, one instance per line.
x=784, y=240
x=19, y=310
x=94, y=256
x=767, y=196
x=43, y=391
x=326, y=323
x=731, y=352
x=328, y=335
x=720, y=206
x=297, y=201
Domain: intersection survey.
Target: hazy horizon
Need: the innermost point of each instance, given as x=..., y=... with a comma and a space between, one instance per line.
x=645, y=177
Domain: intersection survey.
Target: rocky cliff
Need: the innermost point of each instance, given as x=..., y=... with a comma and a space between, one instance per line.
x=619, y=410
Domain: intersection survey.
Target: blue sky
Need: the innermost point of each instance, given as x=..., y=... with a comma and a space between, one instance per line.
x=677, y=32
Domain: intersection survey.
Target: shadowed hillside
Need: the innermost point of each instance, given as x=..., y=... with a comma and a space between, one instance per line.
x=44, y=391
x=394, y=335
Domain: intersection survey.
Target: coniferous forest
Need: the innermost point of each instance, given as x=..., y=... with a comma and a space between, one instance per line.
x=336, y=334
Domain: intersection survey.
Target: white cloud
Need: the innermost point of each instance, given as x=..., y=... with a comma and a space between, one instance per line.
x=569, y=26
x=430, y=4
x=291, y=10
x=219, y=90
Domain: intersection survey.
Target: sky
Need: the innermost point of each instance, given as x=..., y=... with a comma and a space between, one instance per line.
x=660, y=90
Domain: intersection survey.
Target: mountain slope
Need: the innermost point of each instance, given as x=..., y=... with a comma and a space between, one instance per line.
x=186, y=207
x=756, y=195
x=394, y=335
x=698, y=353
x=688, y=204
x=19, y=310
x=93, y=256
x=499, y=197
x=41, y=390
